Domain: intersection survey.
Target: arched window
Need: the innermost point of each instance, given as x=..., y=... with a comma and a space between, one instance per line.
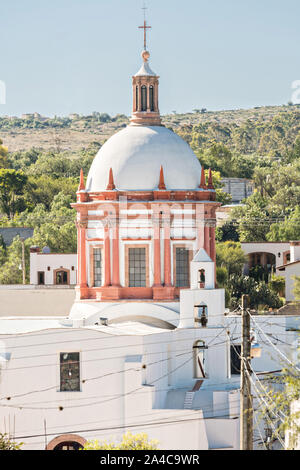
x=144, y=98
x=66, y=442
x=201, y=278
x=136, y=98
x=199, y=349
x=151, y=98
x=61, y=276
x=201, y=316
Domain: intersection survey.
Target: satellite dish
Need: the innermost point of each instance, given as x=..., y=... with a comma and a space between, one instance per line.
x=46, y=250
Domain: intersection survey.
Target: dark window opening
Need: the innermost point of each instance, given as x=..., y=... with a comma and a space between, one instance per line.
x=61, y=278
x=136, y=98
x=201, y=278
x=97, y=267
x=144, y=98
x=41, y=278
x=235, y=359
x=151, y=97
x=182, y=267
x=137, y=267
x=68, y=445
x=69, y=372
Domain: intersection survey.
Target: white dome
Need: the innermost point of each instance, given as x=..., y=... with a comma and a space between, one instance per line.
x=136, y=154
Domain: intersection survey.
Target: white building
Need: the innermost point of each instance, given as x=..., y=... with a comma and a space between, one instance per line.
x=147, y=345
x=269, y=255
x=291, y=269
x=50, y=269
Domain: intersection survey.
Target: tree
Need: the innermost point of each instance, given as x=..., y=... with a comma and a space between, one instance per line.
x=3, y=155
x=129, y=442
x=7, y=444
x=12, y=184
x=253, y=219
x=289, y=229
x=11, y=270
x=227, y=232
x=281, y=395
x=261, y=296
x=277, y=284
x=230, y=255
x=296, y=290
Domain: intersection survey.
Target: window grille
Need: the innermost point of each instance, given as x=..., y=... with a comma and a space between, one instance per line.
x=69, y=372
x=182, y=267
x=97, y=267
x=137, y=267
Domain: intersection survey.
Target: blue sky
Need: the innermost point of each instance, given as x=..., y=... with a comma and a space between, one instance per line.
x=63, y=56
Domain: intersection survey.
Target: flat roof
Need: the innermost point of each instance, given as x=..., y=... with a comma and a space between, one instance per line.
x=21, y=325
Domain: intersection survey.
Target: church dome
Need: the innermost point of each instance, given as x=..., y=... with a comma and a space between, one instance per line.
x=136, y=155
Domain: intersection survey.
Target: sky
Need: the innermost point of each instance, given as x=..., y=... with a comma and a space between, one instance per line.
x=78, y=56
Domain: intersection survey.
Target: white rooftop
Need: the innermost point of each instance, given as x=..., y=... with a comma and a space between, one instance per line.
x=202, y=256
x=21, y=325
x=145, y=70
x=136, y=154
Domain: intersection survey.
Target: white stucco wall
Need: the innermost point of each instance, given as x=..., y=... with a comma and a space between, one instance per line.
x=289, y=271
x=42, y=261
x=276, y=248
x=119, y=396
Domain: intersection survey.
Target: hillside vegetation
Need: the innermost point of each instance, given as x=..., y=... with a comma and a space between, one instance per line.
x=40, y=161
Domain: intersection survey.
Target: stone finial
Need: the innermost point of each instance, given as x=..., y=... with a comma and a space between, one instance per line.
x=145, y=56
x=161, y=185
x=203, y=179
x=81, y=186
x=210, y=180
x=111, y=185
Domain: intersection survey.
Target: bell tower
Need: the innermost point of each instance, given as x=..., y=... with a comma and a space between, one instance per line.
x=145, y=110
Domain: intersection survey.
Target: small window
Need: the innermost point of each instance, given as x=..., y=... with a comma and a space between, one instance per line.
x=199, y=359
x=144, y=98
x=182, y=267
x=61, y=278
x=235, y=359
x=151, y=97
x=201, y=278
x=41, y=278
x=97, y=267
x=69, y=372
x=137, y=97
x=137, y=267
x=68, y=445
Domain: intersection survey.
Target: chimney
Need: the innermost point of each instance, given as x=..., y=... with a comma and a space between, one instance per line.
x=295, y=250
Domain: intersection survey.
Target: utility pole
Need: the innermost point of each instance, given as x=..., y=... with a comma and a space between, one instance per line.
x=246, y=410
x=23, y=260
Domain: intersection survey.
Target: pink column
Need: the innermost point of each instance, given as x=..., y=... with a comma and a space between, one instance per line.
x=157, y=264
x=207, y=239
x=201, y=235
x=213, y=249
x=107, y=280
x=167, y=254
x=82, y=278
x=213, y=243
x=116, y=257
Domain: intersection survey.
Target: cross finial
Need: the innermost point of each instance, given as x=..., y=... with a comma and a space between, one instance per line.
x=145, y=27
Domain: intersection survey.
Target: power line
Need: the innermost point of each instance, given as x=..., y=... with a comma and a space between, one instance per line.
x=273, y=345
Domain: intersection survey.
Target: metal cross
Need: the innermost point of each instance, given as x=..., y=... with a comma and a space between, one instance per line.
x=145, y=27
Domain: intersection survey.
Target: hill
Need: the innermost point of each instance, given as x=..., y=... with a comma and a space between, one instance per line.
x=259, y=130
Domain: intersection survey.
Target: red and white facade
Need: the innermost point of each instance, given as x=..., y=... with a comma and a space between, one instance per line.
x=146, y=189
